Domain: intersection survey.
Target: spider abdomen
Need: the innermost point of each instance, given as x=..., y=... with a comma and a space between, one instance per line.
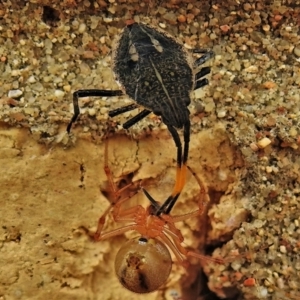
x=143, y=265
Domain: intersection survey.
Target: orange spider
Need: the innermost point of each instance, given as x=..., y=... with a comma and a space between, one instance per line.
x=144, y=263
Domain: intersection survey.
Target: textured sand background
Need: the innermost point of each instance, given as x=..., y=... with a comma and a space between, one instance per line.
x=244, y=145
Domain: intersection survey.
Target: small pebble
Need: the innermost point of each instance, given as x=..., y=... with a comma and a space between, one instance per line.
x=249, y=282
x=225, y=28
x=254, y=147
x=269, y=169
x=297, y=51
x=92, y=111
x=263, y=143
x=252, y=69
x=31, y=79
x=82, y=28
x=282, y=249
x=14, y=93
x=59, y=93
x=269, y=85
x=221, y=114
x=266, y=27
x=181, y=18
x=247, y=6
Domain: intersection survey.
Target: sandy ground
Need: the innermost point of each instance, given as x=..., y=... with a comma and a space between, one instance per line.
x=244, y=146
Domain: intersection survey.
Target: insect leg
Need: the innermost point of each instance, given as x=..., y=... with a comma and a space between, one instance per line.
x=121, y=110
x=182, y=175
x=203, y=199
x=89, y=93
x=200, y=50
x=169, y=203
x=204, y=58
x=201, y=82
x=204, y=71
x=136, y=118
x=178, y=144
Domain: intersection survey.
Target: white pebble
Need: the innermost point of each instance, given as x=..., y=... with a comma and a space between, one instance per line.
x=31, y=79
x=15, y=73
x=92, y=111
x=59, y=93
x=102, y=40
x=282, y=249
x=297, y=51
x=221, y=114
x=14, y=93
x=263, y=292
x=252, y=69
x=107, y=20
x=82, y=28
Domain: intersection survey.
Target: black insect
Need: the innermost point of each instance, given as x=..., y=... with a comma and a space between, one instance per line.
x=155, y=70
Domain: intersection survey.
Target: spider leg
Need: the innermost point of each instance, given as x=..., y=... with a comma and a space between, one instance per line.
x=116, y=192
x=115, y=232
x=201, y=82
x=197, y=50
x=177, y=253
x=204, y=71
x=180, y=252
x=203, y=258
x=89, y=93
x=117, y=202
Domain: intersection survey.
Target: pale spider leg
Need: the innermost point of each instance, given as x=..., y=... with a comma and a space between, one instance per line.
x=171, y=229
x=115, y=211
x=116, y=192
x=129, y=214
x=115, y=206
x=116, y=232
x=178, y=239
x=108, y=172
x=174, y=249
x=201, y=257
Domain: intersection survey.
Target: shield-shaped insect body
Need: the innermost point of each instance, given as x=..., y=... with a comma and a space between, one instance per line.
x=155, y=70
